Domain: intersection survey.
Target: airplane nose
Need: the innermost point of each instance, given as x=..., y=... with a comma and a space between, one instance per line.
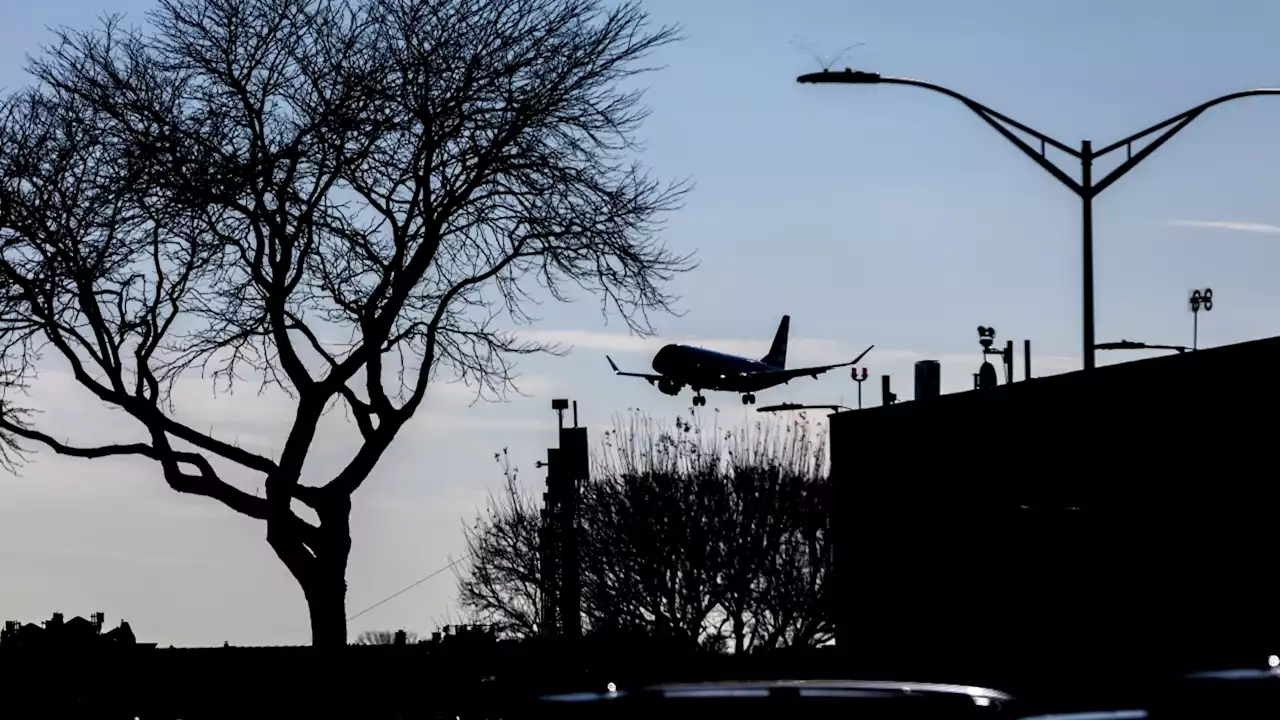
x=662, y=360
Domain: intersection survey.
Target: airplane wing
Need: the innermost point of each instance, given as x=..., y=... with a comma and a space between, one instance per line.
x=652, y=378
x=813, y=372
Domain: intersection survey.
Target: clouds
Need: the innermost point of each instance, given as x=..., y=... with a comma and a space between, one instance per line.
x=1249, y=227
x=258, y=420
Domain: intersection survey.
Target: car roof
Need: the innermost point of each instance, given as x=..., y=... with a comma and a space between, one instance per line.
x=801, y=688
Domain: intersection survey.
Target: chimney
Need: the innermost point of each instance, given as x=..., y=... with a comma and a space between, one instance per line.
x=928, y=379
x=96, y=620
x=887, y=396
x=401, y=638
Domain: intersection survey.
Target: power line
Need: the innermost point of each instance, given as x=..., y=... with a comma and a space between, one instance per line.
x=402, y=591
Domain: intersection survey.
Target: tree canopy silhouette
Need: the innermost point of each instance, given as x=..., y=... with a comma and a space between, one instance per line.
x=342, y=199
x=706, y=535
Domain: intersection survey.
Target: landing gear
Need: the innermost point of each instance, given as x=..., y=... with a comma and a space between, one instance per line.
x=698, y=400
x=749, y=399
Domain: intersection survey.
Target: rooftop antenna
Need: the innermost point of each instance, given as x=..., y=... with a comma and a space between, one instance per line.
x=824, y=61
x=1199, y=299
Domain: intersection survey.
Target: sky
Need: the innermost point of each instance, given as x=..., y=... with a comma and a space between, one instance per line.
x=885, y=215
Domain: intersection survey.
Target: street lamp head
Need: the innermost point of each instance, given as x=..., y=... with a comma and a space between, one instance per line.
x=847, y=76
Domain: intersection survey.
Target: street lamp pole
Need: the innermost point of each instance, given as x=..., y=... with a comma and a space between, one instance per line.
x=1086, y=249
x=1086, y=188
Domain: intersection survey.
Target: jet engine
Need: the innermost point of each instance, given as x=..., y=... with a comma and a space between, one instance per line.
x=670, y=387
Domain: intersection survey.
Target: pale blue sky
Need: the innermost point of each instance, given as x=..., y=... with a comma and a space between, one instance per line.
x=882, y=215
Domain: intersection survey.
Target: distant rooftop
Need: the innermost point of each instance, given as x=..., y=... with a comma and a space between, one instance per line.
x=59, y=633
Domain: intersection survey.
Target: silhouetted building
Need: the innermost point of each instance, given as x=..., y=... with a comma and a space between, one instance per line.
x=76, y=633
x=1116, y=519
x=465, y=634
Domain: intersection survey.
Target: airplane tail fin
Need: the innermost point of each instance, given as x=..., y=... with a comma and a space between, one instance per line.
x=777, y=356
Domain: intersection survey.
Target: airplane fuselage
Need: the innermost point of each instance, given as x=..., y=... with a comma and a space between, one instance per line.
x=681, y=366
x=703, y=369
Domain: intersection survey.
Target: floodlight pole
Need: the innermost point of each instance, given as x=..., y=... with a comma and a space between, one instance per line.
x=1086, y=189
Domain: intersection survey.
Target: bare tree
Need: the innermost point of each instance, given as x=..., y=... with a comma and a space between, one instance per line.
x=502, y=584
x=703, y=535
x=774, y=591
x=655, y=514
x=342, y=199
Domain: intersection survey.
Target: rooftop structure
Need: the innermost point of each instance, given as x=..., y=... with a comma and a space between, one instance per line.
x=1120, y=517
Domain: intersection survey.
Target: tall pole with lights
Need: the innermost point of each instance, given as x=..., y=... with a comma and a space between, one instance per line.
x=1087, y=188
x=859, y=379
x=1200, y=300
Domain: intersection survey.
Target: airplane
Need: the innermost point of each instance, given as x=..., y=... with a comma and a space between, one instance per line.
x=701, y=369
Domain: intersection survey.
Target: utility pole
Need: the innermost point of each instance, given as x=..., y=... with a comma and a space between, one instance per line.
x=548, y=548
x=574, y=455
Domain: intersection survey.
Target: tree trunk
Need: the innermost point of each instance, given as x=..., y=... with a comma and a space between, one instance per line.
x=327, y=602
x=326, y=585
x=739, y=634
x=317, y=558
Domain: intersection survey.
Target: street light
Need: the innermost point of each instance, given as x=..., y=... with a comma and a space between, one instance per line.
x=786, y=407
x=1086, y=188
x=1199, y=299
x=1131, y=345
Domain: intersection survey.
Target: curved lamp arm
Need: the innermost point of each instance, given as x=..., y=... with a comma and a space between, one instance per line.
x=1171, y=126
x=990, y=116
x=1178, y=122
